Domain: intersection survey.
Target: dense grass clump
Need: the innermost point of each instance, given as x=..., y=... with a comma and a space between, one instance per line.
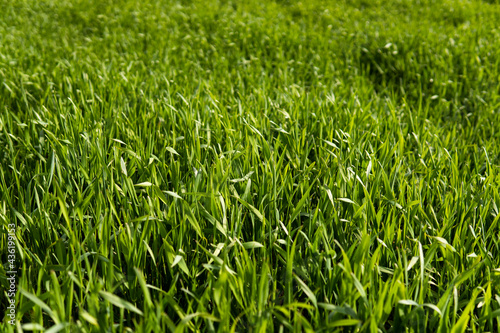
x=251, y=166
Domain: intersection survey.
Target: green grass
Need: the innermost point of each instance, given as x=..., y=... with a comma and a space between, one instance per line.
x=251, y=166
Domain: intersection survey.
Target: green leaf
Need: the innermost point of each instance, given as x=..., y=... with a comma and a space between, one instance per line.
x=173, y=194
x=307, y=291
x=252, y=245
x=118, y=302
x=347, y=200
x=144, y=184
x=408, y=302
x=123, y=166
x=344, y=322
x=58, y=327
x=172, y=150
x=252, y=209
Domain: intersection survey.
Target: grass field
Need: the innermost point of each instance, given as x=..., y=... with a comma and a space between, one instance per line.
x=250, y=166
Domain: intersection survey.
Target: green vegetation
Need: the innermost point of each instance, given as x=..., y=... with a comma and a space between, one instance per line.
x=248, y=166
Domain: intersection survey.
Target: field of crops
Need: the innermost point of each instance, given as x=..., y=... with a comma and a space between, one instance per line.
x=249, y=166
